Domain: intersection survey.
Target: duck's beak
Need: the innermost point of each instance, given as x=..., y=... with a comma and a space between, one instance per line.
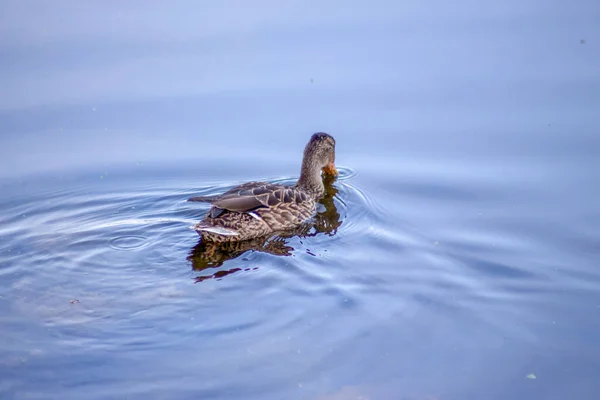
x=330, y=169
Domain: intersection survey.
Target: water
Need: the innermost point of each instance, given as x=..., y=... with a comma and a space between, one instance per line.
x=455, y=258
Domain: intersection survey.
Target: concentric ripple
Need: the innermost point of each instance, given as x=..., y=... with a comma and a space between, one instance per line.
x=115, y=269
x=128, y=242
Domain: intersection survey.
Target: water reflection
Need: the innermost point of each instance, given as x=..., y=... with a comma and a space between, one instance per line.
x=207, y=255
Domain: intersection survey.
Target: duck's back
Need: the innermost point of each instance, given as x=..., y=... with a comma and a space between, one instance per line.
x=255, y=209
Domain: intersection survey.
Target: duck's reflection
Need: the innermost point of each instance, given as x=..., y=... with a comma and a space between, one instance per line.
x=207, y=255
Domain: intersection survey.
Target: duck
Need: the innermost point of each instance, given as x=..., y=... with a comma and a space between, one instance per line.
x=258, y=209
x=205, y=255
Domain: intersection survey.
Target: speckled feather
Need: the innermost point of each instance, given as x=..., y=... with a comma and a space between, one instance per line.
x=256, y=209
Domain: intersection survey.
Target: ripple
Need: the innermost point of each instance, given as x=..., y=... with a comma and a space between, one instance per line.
x=365, y=265
x=363, y=206
x=145, y=221
x=129, y=242
x=346, y=173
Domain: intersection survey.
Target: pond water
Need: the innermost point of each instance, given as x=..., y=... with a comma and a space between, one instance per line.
x=455, y=257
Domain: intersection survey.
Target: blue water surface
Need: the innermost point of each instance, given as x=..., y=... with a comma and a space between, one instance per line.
x=456, y=257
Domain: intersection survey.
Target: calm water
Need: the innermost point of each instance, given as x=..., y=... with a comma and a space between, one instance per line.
x=456, y=257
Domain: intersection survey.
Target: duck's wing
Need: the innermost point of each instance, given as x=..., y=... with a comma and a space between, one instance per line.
x=231, y=192
x=252, y=195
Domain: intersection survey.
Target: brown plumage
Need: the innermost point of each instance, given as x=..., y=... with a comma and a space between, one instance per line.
x=256, y=209
x=205, y=254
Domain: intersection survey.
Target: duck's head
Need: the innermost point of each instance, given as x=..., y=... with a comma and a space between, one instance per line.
x=319, y=153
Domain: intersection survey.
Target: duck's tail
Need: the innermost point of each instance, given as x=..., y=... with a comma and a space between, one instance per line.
x=207, y=199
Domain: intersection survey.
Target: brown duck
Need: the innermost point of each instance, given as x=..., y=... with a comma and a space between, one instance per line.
x=257, y=209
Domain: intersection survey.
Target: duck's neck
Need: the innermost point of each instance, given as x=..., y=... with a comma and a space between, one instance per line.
x=310, y=178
